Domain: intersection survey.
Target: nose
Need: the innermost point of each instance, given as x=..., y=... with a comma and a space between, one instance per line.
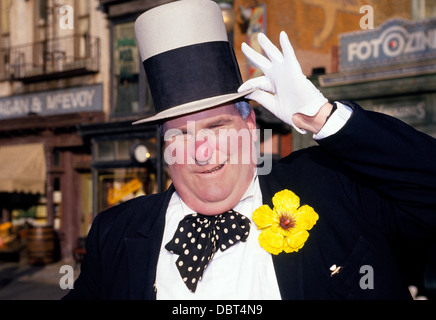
x=203, y=152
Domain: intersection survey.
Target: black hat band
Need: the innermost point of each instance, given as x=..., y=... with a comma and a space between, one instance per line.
x=192, y=73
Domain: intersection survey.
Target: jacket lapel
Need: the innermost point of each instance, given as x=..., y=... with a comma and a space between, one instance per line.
x=143, y=250
x=288, y=267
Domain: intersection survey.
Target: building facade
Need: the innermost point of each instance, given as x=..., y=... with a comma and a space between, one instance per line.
x=54, y=75
x=71, y=84
x=388, y=67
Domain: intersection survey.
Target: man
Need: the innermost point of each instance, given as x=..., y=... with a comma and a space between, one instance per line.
x=351, y=204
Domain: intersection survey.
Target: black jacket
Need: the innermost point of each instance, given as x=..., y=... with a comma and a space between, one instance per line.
x=373, y=185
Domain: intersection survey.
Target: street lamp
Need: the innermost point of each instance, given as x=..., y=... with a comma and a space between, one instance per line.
x=140, y=153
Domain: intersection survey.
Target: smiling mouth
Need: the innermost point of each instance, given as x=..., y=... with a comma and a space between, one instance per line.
x=215, y=169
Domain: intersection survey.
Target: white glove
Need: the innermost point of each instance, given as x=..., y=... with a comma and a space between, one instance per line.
x=284, y=89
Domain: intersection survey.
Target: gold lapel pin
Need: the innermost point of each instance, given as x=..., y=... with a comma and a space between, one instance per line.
x=334, y=270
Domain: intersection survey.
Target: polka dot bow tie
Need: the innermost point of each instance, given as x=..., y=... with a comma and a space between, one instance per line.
x=198, y=237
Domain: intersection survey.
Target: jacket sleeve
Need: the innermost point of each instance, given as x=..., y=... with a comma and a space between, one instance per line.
x=396, y=161
x=87, y=286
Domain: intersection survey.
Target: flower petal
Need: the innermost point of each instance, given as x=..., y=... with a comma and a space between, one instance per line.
x=279, y=230
x=264, y=217
x=271, y=242
x=285, y=201
x=296, y=242
x=306, y=217
x=284, y=228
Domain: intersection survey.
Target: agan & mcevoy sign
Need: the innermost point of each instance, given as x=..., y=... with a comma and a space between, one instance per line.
x=44, y=103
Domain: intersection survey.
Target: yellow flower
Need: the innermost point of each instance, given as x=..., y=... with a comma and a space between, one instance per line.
x=285, y=227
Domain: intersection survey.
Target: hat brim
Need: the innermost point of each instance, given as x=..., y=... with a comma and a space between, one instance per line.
x=192, y=107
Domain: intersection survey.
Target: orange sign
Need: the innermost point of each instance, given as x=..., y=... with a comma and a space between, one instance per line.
x=115, y=195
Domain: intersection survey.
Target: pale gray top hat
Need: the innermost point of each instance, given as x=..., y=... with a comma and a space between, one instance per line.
x=188, y=60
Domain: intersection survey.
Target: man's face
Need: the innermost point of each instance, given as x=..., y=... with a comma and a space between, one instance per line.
x=211, y=157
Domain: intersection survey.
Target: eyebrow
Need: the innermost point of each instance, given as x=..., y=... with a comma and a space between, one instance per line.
x=219, y=121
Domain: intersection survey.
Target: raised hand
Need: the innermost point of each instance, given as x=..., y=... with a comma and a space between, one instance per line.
x=284, y=89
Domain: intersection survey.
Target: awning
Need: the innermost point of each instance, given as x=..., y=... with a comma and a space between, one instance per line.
x=22, y=168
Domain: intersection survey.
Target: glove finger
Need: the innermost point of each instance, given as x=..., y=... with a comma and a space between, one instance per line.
x=288, y=51
x=269, y=48
x=261, y=83
x=268, y=101
x=255, y=58
x=265, y=99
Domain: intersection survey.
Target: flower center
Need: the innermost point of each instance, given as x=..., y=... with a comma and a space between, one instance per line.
x=287, y=222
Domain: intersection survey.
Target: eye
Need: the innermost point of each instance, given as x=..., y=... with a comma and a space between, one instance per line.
x=174, y=133
x=218, y=124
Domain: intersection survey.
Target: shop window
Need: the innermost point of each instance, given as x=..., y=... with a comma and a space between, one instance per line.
x=121, y=176
x=5, y=6
x=129, y=96
x=422, y=9
x=83, y=22
x=41, y=20
x=86, y=203
x=104, y=151
x=121, y=184
x=57, y=202
x=56, y=159
x=430, y=8
x=120, y=150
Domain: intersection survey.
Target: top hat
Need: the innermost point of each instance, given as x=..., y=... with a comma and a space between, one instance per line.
x=188, y=60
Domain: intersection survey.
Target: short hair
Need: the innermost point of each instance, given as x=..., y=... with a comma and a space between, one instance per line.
x=243, y=107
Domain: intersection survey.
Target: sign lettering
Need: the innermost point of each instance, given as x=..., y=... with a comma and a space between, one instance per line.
x=395, y=42
x=80, y=99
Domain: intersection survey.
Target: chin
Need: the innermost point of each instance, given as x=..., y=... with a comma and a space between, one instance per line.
x=214, y=203
x=214, y=209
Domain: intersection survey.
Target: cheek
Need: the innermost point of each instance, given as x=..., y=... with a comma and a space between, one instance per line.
x=238, y=145
x=176, y=152
x=178, y=173
x=228, y=143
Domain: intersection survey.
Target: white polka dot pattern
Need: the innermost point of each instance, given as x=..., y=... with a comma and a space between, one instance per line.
x=198, y=237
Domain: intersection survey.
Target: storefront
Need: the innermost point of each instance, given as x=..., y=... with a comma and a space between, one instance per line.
x=126, y=162
x=391, y=70
x=45, y=167
x=22, y=182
